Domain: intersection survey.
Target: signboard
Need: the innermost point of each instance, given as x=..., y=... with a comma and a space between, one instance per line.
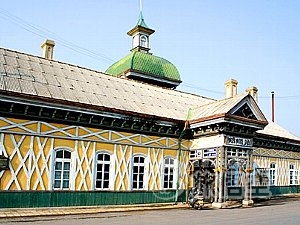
x=238, y=141
x=210, y=153
x=4, y=163
x=203, y=153
x=198, y=154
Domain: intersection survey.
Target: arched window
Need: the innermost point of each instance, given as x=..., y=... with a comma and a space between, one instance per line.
x=138, y=172
x=233, y=175
x=103, y=162
x=272, y=174
x=144, y=41
x=62, y=167
x=169, y=173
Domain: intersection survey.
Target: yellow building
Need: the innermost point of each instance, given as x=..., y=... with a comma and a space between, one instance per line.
x=74, y=136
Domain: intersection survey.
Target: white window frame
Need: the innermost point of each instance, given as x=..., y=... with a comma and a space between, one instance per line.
x=145, y=172
x=144, y=41
x=273, y=174
x=170, y=168
x=111, y=170
x=64, y=161
x=293, y=175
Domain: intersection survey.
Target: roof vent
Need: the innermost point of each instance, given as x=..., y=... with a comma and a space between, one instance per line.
x=47, y=47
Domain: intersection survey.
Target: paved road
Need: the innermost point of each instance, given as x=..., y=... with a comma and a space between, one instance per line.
x=282, y=211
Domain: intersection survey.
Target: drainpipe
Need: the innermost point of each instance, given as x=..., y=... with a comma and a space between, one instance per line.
x=186, y=126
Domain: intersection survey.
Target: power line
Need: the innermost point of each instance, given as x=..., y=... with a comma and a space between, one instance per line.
x=281, y=97
x=201, y=88
x=222, y=93
x=44, y=33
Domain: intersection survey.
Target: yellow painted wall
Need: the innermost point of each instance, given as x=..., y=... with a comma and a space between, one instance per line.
x=263, y=158
x=30, y=145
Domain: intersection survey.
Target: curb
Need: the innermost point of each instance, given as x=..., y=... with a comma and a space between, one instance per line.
x=62, y=211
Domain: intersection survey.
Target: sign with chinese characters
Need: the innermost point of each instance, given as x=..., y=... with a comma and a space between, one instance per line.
x=4, y=162
x=210, y=153
x=203, y=153
x=238, y=141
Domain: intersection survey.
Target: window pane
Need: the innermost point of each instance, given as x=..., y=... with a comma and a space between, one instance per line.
x=67, y=155
x=99, y=167
x=66, y=175
x=135, y=176
x=142, y=169
x=106, y=167
x=141, y=177
x=66, y=166
x=56, y=184
x=59, y=154
x=65, y=184
x=57, y=175
x=58, y=166
x=134, y=185
x=106, y=157
x=99, y=175
x=141, y=184
x=106, y=184
x=100, y=157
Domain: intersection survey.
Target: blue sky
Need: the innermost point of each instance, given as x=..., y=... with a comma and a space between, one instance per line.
x=256, y=42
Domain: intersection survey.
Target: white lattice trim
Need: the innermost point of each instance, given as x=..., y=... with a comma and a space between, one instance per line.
x=155, y=164
x=123, y=166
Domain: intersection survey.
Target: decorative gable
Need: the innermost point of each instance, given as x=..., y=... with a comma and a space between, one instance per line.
x=245, y=111
x=247, y=108
x=242, y=110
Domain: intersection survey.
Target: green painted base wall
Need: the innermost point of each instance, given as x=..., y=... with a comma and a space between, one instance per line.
x=30, y=199
x=263, y=192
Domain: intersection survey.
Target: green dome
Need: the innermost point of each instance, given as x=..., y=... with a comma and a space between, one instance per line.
x=153, y=67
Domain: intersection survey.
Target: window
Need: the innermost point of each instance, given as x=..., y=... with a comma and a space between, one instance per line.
x=138, y=172
x=102, y=171
x=272, y=174
x=233, y=175
x=62, y=165
x=293, y=175
x=143, y=41
x=168, y=176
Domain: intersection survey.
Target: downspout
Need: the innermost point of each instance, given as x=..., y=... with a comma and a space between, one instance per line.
x=186, y=126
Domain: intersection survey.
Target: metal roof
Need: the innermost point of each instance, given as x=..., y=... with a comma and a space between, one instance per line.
x=227, y=106
x=32, y=76
x=275, y=130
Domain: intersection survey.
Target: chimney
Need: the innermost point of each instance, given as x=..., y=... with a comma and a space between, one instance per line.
x=273, y=106
x=230, y=88
x=47, y=48
x=253, y=92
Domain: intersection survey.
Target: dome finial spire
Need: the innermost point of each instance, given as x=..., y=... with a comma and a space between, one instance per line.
x=141, y=6
x=141, y=21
